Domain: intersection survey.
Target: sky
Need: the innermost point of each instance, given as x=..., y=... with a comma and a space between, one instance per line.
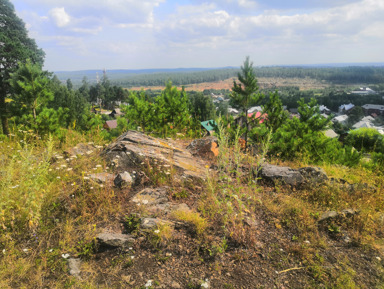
x=141, y=34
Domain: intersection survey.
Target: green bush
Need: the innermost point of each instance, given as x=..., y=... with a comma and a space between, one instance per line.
x=366, y=140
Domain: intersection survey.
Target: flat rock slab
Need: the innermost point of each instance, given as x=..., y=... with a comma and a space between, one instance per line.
x=152, y=196
x=102, y=178
x=313, y=174
x=134, y=149
x=81, y=149
x=204, y=147
x=153, y=223
x=156, y=201
x=285, y=175
x=115, y=240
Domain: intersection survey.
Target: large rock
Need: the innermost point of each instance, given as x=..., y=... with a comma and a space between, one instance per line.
x=114, y=240
x=313, y=174
x=284, y=175
x=123, y=179
x=102, y=178
x=134, y=149
x=81, y=149
x=156, y=201
x=204, y=147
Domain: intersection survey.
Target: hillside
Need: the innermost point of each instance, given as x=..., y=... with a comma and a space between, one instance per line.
x=143, y=212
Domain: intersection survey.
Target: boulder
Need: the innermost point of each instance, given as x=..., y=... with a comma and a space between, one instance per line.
x=313, y=174
x=102, y=178
x=134, y=149
x=156, y=201
x=153, y=223
x=123, y=179
x=204, y=147
x=275, y=174
x=80, y=149
x=114, y=240
x=328, y=216
x=347, y=213
x=150, y=197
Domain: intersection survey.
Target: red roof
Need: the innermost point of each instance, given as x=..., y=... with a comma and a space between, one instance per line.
x=111, y=124
x=258, y=115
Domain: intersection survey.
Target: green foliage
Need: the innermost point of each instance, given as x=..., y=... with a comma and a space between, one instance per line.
x=139, y=110
x=244, y=93
x=276, y=115
x=366, y=140
x=302, y=138
x=131, y=223
x=15, y=47
x=172, y=110
x=30, y=88
x=201, y=107
x=355, y=115
x=24, y=180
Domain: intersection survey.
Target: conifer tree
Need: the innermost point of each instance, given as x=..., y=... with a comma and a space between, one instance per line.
x=15, y=47
x=244, y=93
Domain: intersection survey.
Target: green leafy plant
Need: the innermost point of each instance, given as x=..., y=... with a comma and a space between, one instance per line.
x=131, y=223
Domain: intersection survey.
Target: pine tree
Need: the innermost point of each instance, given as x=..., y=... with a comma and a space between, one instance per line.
x=244, y=94
x=15, y=47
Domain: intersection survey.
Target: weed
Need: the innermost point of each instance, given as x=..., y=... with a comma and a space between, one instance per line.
x=85, y=249
x=131, y=223
x=199, y=224
x=183, y=194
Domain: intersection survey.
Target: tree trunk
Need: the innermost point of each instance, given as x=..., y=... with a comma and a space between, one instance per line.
x=3, y=115
x=246, y=130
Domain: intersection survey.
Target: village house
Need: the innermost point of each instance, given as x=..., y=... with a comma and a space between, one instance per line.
x=252, y=117
x=363, y=91
x=341, y=119
x=110, y=124
x=116, y=112
x=377, y=109
x=346, y=108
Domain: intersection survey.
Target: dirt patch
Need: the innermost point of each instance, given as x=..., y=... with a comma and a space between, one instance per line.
x=264, y=82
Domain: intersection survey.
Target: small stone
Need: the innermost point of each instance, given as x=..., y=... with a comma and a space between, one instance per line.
x=378, y=259
x=74, y=265
x=175, y=285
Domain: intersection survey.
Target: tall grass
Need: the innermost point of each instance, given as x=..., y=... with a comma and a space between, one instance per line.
x=25, y=181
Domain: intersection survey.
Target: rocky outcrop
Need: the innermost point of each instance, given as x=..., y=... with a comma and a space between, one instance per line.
x=273, y=175
x=81, y=149
x=156, y=201
x=133, y=150
x=123, y=179
x=284, y=175
x=114, y=240
x=332, y=215
x=102, y=178
x=313, y=174
x=204, y=147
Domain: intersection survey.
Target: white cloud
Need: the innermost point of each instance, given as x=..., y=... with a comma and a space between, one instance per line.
x=60, y=17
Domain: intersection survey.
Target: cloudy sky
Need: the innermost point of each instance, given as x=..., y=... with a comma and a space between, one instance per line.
x=136, y=34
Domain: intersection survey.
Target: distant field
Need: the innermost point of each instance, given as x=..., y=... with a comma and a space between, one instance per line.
x=264, y=82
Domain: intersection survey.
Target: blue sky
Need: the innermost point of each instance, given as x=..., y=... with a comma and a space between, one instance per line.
x=138, y=34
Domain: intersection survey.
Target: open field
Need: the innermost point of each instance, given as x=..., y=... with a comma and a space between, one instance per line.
x=264, y=82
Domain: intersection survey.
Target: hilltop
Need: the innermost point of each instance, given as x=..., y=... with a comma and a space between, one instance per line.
x=143, y=212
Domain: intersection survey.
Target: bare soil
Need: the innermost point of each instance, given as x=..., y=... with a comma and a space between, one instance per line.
x=264, y=82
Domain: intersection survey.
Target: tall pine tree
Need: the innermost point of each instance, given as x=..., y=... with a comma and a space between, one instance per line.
x=244, y=93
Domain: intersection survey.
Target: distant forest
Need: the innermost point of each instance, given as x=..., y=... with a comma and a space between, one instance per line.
x=131, y=78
